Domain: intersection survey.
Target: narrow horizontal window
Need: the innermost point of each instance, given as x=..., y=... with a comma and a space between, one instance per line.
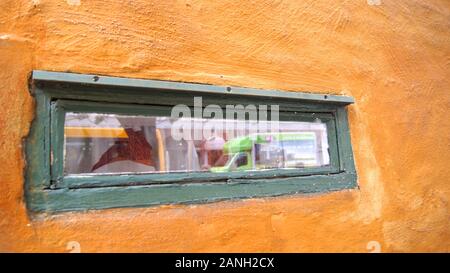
x=114, y=142
x=108, y=143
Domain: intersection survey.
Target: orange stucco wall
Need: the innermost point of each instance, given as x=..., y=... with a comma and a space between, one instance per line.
x=393, y=58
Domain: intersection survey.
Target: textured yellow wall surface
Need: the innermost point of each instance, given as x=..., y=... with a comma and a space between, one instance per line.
x=393, y=58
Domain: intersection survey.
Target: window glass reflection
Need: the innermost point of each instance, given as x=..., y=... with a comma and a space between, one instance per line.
x=108, y=143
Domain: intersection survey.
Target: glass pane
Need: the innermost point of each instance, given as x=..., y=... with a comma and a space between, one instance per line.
x=109, y=143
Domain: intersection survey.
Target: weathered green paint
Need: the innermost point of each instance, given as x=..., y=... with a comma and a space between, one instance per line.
x=345, y=146
x=80, y=181
x=135, y=196
x=97, y=80
x=48, y=189
x=38, y=145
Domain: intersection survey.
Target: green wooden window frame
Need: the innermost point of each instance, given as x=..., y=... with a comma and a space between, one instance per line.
x=48, y=189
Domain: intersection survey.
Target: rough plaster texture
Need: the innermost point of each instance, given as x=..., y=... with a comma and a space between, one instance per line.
x=393, y=58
